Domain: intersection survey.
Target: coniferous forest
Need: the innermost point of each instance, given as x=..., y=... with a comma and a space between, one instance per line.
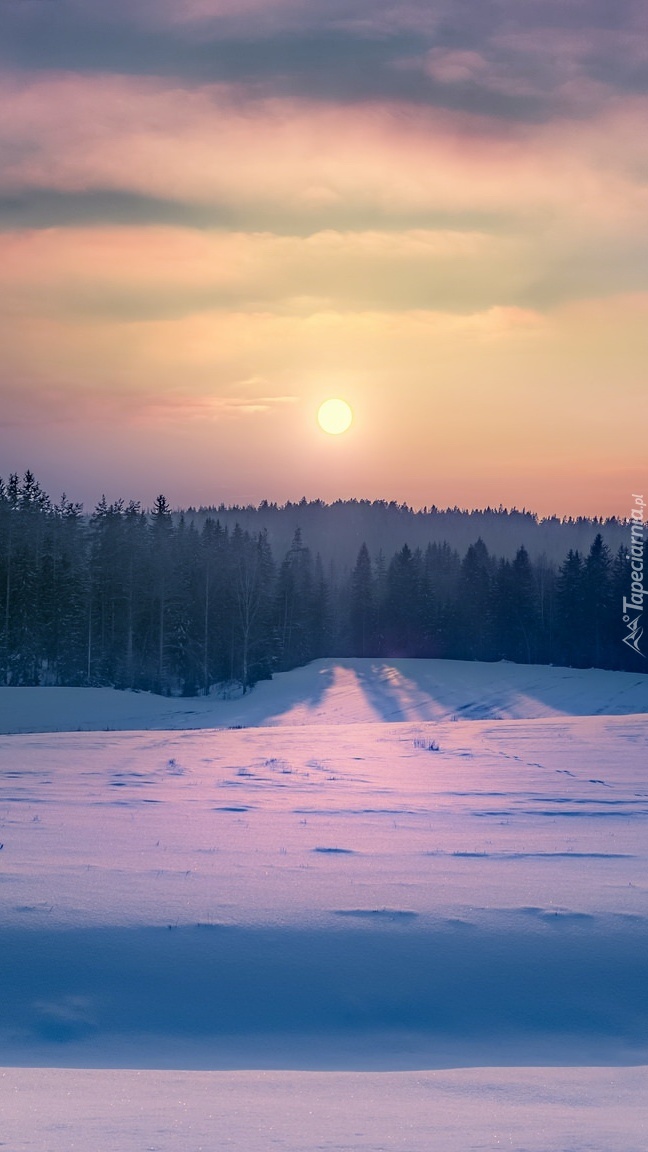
x=179, y=603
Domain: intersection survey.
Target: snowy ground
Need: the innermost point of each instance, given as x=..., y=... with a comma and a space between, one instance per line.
x=355, y=939
x=466, y=1110
x=341, y=692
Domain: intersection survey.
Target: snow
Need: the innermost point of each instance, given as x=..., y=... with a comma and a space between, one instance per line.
x=343, y=932
x=350, y=691
x=466, y=1110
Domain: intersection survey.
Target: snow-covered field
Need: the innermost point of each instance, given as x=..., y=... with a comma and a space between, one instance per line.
x=328, y=930
x=341, y=692
x=463, y=1110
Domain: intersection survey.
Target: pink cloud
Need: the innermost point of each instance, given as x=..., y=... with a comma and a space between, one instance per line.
x=212, y=145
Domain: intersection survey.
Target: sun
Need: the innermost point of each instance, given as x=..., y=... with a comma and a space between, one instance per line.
x=334, y=417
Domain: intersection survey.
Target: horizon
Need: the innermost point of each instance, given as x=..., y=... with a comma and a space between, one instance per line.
x=256, y=504
x=60, y=472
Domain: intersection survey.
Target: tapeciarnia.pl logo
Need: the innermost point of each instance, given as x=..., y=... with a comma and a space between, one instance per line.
x=633, y=607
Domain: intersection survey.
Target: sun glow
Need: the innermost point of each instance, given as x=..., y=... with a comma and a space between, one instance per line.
x=334, y=417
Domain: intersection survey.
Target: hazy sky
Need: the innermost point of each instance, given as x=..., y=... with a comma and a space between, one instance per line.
x=214, y=215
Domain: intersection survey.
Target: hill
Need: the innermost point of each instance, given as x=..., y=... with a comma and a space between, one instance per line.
x=352, y=691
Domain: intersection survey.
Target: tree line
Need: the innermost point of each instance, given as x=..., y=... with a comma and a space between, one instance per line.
x=150, y=600
x=339, y=528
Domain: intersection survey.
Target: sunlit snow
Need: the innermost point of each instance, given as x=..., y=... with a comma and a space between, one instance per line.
x=362, y=927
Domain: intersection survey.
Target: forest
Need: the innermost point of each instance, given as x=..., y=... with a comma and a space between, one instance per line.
x=177, y=603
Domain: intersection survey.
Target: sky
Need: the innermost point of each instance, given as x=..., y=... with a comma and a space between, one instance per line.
x=216, y=215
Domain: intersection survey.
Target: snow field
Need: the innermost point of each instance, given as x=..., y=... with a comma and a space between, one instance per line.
x=277, y=897
x=463, y=1110
x=358, y=923
x=341, y=692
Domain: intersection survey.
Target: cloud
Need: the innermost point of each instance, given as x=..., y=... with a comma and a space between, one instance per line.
x=27, y=207
x=125, y=148
x=531, y=62
x=129, y=273
x=36, y=208
x=214, y=212
x=34, y=394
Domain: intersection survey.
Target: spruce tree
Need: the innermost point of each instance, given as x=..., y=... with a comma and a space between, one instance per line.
x=596, y=591
x=570, y=611
x=363, y=606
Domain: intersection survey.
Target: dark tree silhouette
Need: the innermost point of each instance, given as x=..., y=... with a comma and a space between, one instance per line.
x=174, y=603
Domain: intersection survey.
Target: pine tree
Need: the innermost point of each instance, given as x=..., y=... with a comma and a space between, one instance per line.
x=618, y=654
x=363, y=606
x=62, y=596
x=403, y=608
x=253, y=575
x=473, y=604
x=294, y=605
x=162, y=533
x=523, y=609
x=570, y=611
x=596, y=590
x=33, y=509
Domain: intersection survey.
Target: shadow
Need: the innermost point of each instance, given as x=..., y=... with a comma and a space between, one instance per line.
x=350, y=690
x=270, y=700
x=355, y=976
x=412, y=690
